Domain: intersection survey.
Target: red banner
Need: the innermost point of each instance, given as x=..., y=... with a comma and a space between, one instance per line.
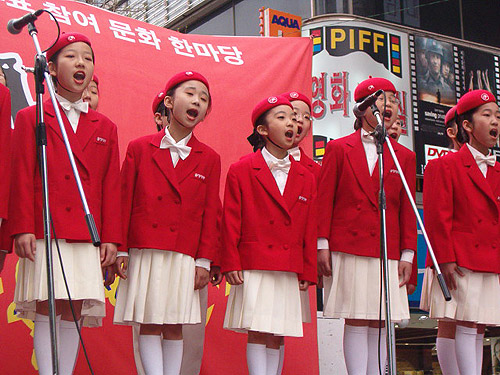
x=133, y=62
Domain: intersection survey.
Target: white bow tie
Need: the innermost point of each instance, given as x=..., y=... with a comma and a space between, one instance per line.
x=183, y=151
x=295, y=153
x=78, y=106
x=488, y=160
x=281, y=165
x=368, y=138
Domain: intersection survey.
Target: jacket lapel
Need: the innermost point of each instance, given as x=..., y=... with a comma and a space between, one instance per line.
x=294, y=184
x=186, y=166
x=163, y=160
x=87, y=126
x=475, y=173
x=388, y=166
x=76, y=146
x=266, y=179
x=359, y=165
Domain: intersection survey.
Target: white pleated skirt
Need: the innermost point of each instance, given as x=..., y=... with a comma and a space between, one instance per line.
x=353, y=290
x=159, y=289
x=305, y=305
x=476, y=299
x=82, y=266
x=267, y=301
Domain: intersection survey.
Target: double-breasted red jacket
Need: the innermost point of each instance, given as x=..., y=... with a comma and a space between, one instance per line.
x=348, y=210
x=264, y=230
x=462, y=211
x=95, y=149
x=169, y=208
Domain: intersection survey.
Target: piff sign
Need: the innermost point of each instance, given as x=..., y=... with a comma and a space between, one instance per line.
x=278, y=23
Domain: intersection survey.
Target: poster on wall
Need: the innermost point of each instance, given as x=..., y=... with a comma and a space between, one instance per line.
x=441, y=73
x=344, y=55
x=133, y=61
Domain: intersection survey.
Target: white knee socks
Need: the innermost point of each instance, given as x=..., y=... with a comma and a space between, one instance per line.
x=172, y=356
x=42, y=344
x=282, y=359
x=151, y=354
x=272, y=361
x=69, y=343
x=447, y=356
x=479, y=352
x=256, y=359
x=356, y=349
x=373, y=349
x=465, y=348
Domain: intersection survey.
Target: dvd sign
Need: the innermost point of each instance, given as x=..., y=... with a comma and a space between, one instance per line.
x=434, y=152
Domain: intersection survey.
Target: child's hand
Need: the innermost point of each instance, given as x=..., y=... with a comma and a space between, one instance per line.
x=108, y=254
x=201, y=278
x=234, y=277
x=304, y=285
x=108, y=275
x=404, y=271
x=121, y=267
x=448, y=270
x=324, y=262
x=215, y=275
x=410, y=289
x=26, y=246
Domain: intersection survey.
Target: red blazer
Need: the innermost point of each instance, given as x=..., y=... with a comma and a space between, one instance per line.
x=263, y=230
x=462, y=210
x=348, y=200
x=310, y=164
x=5, y=150
x=95, y=148
x=169, y=208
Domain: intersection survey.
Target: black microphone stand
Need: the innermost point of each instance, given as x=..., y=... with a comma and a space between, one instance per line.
x=41, y=74
x=380, y=135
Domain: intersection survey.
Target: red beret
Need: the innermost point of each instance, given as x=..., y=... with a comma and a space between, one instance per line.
x=268, y=103
x=371, y=85
x=183, y=77
x=294, y=95
x=64, y=40
x=157, y=100
x=95, y=79
x=474, y=99
x=450, y=115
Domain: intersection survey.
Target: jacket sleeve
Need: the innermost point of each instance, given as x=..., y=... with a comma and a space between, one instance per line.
x=111, y=210
x=128, y=178
x=407, y=219
x=310, y=271
x=22, y=205
x=327, y=189
x=209, y=247
x=5, y=150
x=231, y=224
x=438, y=209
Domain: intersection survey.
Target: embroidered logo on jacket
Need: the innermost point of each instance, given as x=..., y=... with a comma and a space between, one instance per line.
x=394, y=171
x=101, y=140
x=200, y=176
x=303, y=199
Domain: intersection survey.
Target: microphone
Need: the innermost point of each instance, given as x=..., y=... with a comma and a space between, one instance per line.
x=14, y=26
x=360, y=108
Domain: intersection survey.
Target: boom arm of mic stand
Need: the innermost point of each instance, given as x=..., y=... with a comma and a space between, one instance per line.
x=442, y=283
